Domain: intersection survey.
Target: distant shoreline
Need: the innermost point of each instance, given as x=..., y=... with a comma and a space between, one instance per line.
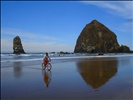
x=68, y=52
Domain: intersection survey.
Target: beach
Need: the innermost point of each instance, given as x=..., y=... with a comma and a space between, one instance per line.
x=79, y=78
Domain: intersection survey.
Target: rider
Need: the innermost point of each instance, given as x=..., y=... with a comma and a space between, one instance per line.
x=46, y=59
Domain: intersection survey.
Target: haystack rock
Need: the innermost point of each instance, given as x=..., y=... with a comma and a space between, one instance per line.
x=17, y=46
x=95, y=38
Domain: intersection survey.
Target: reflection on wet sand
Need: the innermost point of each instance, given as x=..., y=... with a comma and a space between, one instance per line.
x=96, y=72
x=17, y=69
x=47, y=77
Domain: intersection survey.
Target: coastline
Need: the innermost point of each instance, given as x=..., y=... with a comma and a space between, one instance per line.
x=76, y=78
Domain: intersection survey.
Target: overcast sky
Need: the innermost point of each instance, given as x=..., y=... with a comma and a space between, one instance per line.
x=46, y=26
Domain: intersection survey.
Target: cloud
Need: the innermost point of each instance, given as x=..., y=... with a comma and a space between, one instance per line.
x=47, y=47
x=126, y=27
x=27, y=36
x=6, y=45
x=121, y=8
x=33, y=42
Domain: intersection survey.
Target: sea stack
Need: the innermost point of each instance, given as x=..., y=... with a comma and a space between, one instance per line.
x=96, y=37
x=17, y=46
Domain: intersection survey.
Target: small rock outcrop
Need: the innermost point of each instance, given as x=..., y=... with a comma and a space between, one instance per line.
x=95, y=38
x=17, y=46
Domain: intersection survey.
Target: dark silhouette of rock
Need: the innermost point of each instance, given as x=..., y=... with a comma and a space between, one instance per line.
x=17, y=46
x=122, y=49
x=95, y=38
x=100, y=53
x=96, y=72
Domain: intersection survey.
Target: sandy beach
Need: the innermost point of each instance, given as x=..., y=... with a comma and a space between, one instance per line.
x=74, y=79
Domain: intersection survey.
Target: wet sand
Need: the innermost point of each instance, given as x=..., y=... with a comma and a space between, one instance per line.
x=77, y=79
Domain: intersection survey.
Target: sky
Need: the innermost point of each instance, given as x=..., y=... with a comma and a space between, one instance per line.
x=54, y=26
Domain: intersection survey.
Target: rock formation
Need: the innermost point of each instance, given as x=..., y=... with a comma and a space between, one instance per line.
x=95, y=38
x=17, y=46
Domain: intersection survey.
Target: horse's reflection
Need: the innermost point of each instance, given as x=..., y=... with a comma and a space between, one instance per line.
x=47, y=77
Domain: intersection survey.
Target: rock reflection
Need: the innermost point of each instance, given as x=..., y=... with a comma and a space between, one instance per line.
x=96, y=72
x=17, y=69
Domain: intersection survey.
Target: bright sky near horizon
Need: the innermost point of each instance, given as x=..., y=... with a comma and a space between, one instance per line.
x=47, y=26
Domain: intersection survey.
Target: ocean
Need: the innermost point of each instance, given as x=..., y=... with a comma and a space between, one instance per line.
x=7, y=59
x=72, y=77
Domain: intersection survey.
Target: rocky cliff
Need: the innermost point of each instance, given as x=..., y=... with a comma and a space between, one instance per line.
x=95, y=38
x=17, y=46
